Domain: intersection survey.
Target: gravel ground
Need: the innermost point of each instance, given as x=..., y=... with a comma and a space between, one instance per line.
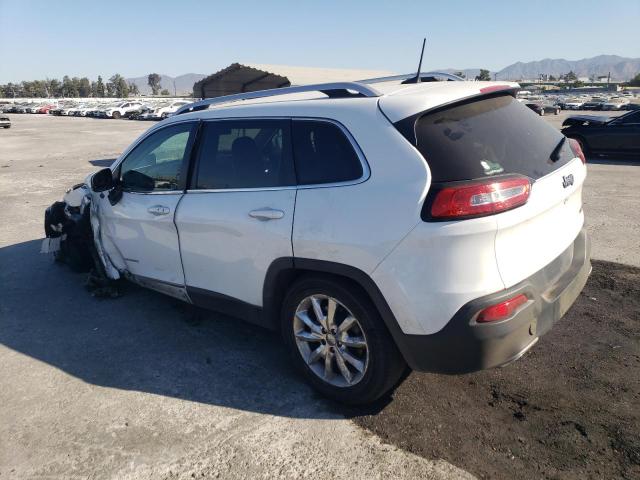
x=136, y=388
x=569, y=409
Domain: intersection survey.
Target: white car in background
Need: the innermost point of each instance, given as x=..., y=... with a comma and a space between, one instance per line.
x=572, y=104
x=169, y=109
x=121, y=109
x=615, y=103
x=81, y=110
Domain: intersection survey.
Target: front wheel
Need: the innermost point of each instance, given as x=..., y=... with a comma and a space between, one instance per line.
x=116, y=115
x=338, y=340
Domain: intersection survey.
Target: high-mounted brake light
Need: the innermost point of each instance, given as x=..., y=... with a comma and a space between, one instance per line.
x=577, y=149
x=495, y=88
x=481, y=198
x=502, y=310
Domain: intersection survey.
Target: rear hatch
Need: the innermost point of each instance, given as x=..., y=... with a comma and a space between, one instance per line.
x=495, y=137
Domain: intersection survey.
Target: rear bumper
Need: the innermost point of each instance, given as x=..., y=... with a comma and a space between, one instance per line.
x=464, y=345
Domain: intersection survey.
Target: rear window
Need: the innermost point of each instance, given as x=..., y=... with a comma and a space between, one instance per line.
x=491, y=136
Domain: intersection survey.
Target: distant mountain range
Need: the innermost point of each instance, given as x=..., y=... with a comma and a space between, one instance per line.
x=621, y=68
x=183, y=83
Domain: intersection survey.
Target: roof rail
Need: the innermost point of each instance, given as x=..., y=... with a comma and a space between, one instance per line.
x=409, y=76
x=337, y=89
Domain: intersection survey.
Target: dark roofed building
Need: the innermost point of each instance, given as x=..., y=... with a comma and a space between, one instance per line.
x=238, y=78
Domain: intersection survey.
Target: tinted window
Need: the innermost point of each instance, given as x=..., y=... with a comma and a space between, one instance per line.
x=630, y=118
x=491, y=136
x=156, y=163
x=323, y=154
x=245, y=154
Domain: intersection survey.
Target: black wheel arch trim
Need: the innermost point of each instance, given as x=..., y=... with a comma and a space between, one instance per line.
x=284, y=270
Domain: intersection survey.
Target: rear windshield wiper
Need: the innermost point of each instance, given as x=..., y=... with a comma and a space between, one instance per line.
x=555, y=154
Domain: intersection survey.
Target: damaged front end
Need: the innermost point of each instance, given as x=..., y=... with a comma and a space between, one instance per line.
x=72, y=230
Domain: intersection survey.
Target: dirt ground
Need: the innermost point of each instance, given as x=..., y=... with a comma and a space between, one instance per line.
x=569, y=409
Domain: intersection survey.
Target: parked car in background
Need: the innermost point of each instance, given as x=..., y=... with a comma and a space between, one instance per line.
x=140, y=113
x=571, y=104
x=5, y=122
x=83, y=110
x=605, y=135
x=32, y=107
x=632, y=105
x=615, y=103
x=94, y=111
x=593, y=105
x=121, y=109
x=45, y=108
x=169, y=109
x=20, y=108
x=426, y=236
x=543, y=109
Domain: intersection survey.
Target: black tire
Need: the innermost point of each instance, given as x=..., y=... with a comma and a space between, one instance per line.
x=385, y=366
x=116, y=115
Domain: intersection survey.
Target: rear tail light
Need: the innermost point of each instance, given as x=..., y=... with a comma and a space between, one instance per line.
x=502, y=310
x=495, y=88
x=480, y=198
x=577, y=149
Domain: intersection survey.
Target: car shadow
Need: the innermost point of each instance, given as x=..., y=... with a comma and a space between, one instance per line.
x=144, y=341
x=104, y=162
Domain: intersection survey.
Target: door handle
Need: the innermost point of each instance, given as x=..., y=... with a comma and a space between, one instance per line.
x=158, y=210
x=266, y=214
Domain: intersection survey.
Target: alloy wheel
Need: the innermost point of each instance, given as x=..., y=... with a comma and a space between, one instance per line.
x=331, y=340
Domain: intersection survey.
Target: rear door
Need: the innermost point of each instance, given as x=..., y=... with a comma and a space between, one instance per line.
x=625, y=133
x=237, y=216
x=139, y=230
x=496, y=136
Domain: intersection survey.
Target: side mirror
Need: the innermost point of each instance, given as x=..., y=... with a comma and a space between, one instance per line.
x=102, y=180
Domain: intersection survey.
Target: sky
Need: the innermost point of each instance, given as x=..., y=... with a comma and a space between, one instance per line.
x=49, y=39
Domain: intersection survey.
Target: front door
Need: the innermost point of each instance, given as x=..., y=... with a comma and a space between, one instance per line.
x=237, y=216
x=140, y=230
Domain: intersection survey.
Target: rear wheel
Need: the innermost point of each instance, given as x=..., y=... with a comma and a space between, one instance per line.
x=116, y=115
x=542, y=112
x=338, y=340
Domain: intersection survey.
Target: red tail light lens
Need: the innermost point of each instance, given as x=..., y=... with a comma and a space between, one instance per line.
x=495, y=88
x=577, y=149
x=502, y=310
x=481, y=198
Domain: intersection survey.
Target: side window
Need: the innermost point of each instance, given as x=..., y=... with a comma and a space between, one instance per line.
x=323, y=154
x=156, y=163
x=245, y=154
x=630, y=118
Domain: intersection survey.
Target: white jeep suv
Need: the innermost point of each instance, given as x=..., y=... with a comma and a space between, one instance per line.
x=377, y=224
